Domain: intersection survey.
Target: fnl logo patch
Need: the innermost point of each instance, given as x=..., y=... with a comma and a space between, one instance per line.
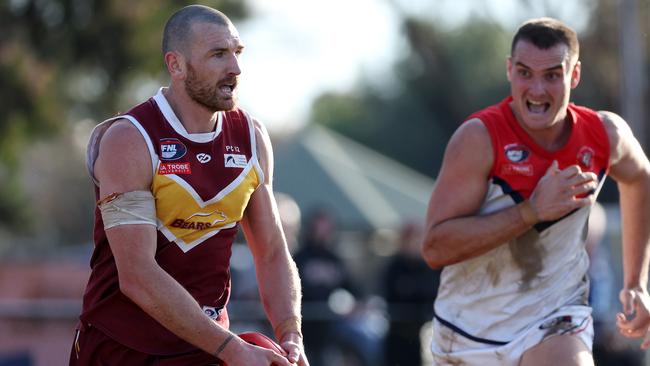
x=171, y=149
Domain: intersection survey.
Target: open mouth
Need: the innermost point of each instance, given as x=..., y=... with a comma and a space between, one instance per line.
x=228, y=88
x=537, y=107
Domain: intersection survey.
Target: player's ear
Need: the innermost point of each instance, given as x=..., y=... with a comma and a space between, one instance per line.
x=575, y=74
x=509, y=67
x=175, y=65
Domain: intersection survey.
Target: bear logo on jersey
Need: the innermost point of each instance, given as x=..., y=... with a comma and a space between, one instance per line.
x=210, y=219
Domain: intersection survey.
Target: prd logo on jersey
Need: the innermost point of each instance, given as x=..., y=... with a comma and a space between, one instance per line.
x=517, y=153
x=172, y=149
x=203, y=158
x=235, y=160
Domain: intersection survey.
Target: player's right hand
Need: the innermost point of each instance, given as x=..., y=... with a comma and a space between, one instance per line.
x=634, y=321
x=561, y=191
x=292, y=344
x=245, y=354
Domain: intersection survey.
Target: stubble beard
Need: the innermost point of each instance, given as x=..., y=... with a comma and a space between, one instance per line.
x=205, y=94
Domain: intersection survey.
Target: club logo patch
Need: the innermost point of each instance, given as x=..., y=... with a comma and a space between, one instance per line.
x=172, y=149
x=235, y=160
x=585, y=157
x=203, y=158
x=517, y=153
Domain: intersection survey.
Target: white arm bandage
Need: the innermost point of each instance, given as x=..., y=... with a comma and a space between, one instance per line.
x=128, y=208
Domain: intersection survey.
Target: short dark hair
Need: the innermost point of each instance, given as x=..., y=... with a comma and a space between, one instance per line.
x=545, y=33
x=178, y=27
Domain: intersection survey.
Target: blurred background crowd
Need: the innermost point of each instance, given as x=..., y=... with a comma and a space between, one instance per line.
x=360, y=98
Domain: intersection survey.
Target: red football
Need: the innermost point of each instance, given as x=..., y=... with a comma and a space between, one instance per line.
x=260, y=340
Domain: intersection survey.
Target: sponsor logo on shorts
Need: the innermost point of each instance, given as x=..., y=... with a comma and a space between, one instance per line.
x=562, y=325
x=174, y=168
x=235, y=160
x=517, y=153
x=171, y=149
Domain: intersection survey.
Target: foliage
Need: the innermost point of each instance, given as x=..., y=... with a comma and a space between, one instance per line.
x=445, y=77
x=451, y=73
x=63, y=61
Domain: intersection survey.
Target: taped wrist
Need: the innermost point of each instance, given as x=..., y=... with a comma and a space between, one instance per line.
x=128, y=208
x=290, y=325
x=527, y=213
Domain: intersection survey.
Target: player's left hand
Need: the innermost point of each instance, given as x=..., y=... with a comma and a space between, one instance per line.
x=636, y=305
x=292, y=344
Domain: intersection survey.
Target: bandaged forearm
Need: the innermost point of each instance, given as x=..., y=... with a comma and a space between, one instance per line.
x=290, y=325
x=128, y=208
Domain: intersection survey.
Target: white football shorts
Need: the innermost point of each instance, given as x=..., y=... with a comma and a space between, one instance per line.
x=450, y=347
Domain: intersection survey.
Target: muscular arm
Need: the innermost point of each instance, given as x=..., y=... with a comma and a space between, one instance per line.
x=631, y=171
x=455, y=230
x=276, y=271
x=124, y=165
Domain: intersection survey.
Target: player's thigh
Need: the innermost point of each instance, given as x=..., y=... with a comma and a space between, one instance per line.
x=560, y=350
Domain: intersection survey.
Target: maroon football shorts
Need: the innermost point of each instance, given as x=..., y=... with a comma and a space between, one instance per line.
x=91, y=347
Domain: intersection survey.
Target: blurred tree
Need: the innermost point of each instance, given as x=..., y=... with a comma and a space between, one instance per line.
x=450, y=73
x=446, y=76
x=63, y=61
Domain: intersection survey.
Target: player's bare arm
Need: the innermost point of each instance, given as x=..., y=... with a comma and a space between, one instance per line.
x=455, y=232
x=277, y=275
x=124, y=165
x=455, y=229
x=631, y=170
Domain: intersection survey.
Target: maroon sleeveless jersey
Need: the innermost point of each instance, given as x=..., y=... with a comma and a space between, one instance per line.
x=202, y=184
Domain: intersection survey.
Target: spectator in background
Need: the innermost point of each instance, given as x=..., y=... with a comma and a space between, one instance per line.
x=408, y=286
x=290, y=218
x=601, y=289
x=609, y=349
x=244, y=282
x=245, y=289
x=324, y=276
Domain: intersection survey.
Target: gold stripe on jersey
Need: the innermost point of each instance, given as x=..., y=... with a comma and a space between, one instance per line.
x=183, y=217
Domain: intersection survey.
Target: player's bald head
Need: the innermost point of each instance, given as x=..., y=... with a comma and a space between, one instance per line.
x=178, y=30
